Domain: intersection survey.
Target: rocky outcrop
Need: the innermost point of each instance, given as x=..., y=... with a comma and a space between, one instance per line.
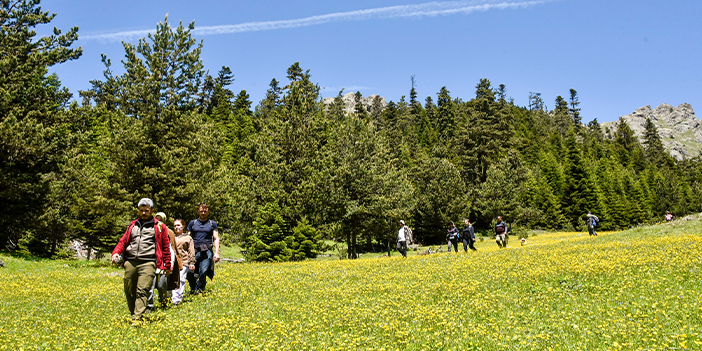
x=679, y=128
x=350, y=102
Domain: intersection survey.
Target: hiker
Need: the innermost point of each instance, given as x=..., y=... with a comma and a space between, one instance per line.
x=402, y=239
x=143, y=250
x=205, y=236
x=468, y=236
x=668, y=216
x=501, y=233
x=591, y=221
x=452, y=237
x=164, y=282
x=185, y=250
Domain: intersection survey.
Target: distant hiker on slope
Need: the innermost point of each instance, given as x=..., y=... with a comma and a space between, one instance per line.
x=452, y=237
x=402, y=239
x=592, y=221
x=501, y=235
x=668, y=216
x=468, y=236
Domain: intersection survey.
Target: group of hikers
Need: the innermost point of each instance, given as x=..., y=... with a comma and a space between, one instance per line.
x=467, y=234
x=156, y=258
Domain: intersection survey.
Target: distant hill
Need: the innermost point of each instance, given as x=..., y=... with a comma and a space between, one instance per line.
x=679, y=128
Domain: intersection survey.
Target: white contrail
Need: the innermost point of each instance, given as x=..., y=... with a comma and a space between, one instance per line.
x=433, y=8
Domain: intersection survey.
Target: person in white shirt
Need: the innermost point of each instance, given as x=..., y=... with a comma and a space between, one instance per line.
x=402, y=239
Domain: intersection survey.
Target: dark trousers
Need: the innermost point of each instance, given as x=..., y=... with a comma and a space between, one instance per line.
x=453, y=242
x=468, y=243
x=592, y=230
x=198, y=279
x=402, y=247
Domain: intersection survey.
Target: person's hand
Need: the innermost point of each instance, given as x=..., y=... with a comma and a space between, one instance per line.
x=192, y=267
x=114, y=258
x=216, y=257
x=168, y=271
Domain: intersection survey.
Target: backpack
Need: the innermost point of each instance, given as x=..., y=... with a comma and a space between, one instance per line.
x=408, y=234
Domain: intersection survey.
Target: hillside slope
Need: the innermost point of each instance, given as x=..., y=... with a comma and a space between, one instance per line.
x=637, y=289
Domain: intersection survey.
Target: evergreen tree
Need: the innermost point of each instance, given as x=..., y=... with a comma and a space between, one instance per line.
x=445, y=114
x=501, y=194
x=377, y=111
x=561, y=116
x=536, y=103
x=163, y=71
x=484, y=136
x=627, y=145
x=654, y=149
x=360, y=109
x=483, y=91
x=502, y=94
x=574, y=110
x=32, y=124
x=336, y=110
x=268, y=104
x=414, y=104
x=214, y=92
x=580, y=194
x=440, y=193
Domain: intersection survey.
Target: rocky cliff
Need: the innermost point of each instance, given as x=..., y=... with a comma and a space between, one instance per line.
x=679, y=128
x=350, y=102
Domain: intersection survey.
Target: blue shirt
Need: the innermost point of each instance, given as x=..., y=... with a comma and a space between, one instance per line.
x=202, y=232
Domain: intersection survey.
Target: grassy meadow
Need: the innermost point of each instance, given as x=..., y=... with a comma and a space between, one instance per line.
x=634, y=290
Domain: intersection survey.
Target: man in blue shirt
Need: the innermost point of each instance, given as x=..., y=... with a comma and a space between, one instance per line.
x=205, y=234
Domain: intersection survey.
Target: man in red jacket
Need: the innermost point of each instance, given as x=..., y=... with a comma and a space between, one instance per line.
x=144, y=247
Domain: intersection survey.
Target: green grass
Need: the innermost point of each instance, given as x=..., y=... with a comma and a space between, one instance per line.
x=633, y=290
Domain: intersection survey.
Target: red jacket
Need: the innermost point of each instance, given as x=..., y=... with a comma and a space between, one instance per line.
x=163, y=261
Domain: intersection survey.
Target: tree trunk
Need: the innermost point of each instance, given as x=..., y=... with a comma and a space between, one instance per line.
x=353, y=240
x=348, y=245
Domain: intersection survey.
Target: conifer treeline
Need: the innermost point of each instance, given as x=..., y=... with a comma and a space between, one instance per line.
x=285, y=175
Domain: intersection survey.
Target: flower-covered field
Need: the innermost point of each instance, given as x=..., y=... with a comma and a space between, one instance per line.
x=634, y=290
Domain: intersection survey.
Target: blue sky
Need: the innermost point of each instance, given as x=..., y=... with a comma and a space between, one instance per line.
x=618, y=55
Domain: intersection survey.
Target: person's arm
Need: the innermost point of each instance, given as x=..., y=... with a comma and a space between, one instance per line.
x=165, y=247
x=472, y=233
x=173, y=257
x=215, y=237
x=191, y=254
x=121, y=245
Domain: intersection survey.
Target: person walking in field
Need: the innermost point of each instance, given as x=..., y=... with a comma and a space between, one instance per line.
x=592, y=221
x=402, y=239
x=164, y=282
x=501, y=232
x=452, y=237
x=205, y=233
x=143, y=250
x=468, y=236
x=185, y=249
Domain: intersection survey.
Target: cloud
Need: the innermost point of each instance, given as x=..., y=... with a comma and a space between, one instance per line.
x=434, y=8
